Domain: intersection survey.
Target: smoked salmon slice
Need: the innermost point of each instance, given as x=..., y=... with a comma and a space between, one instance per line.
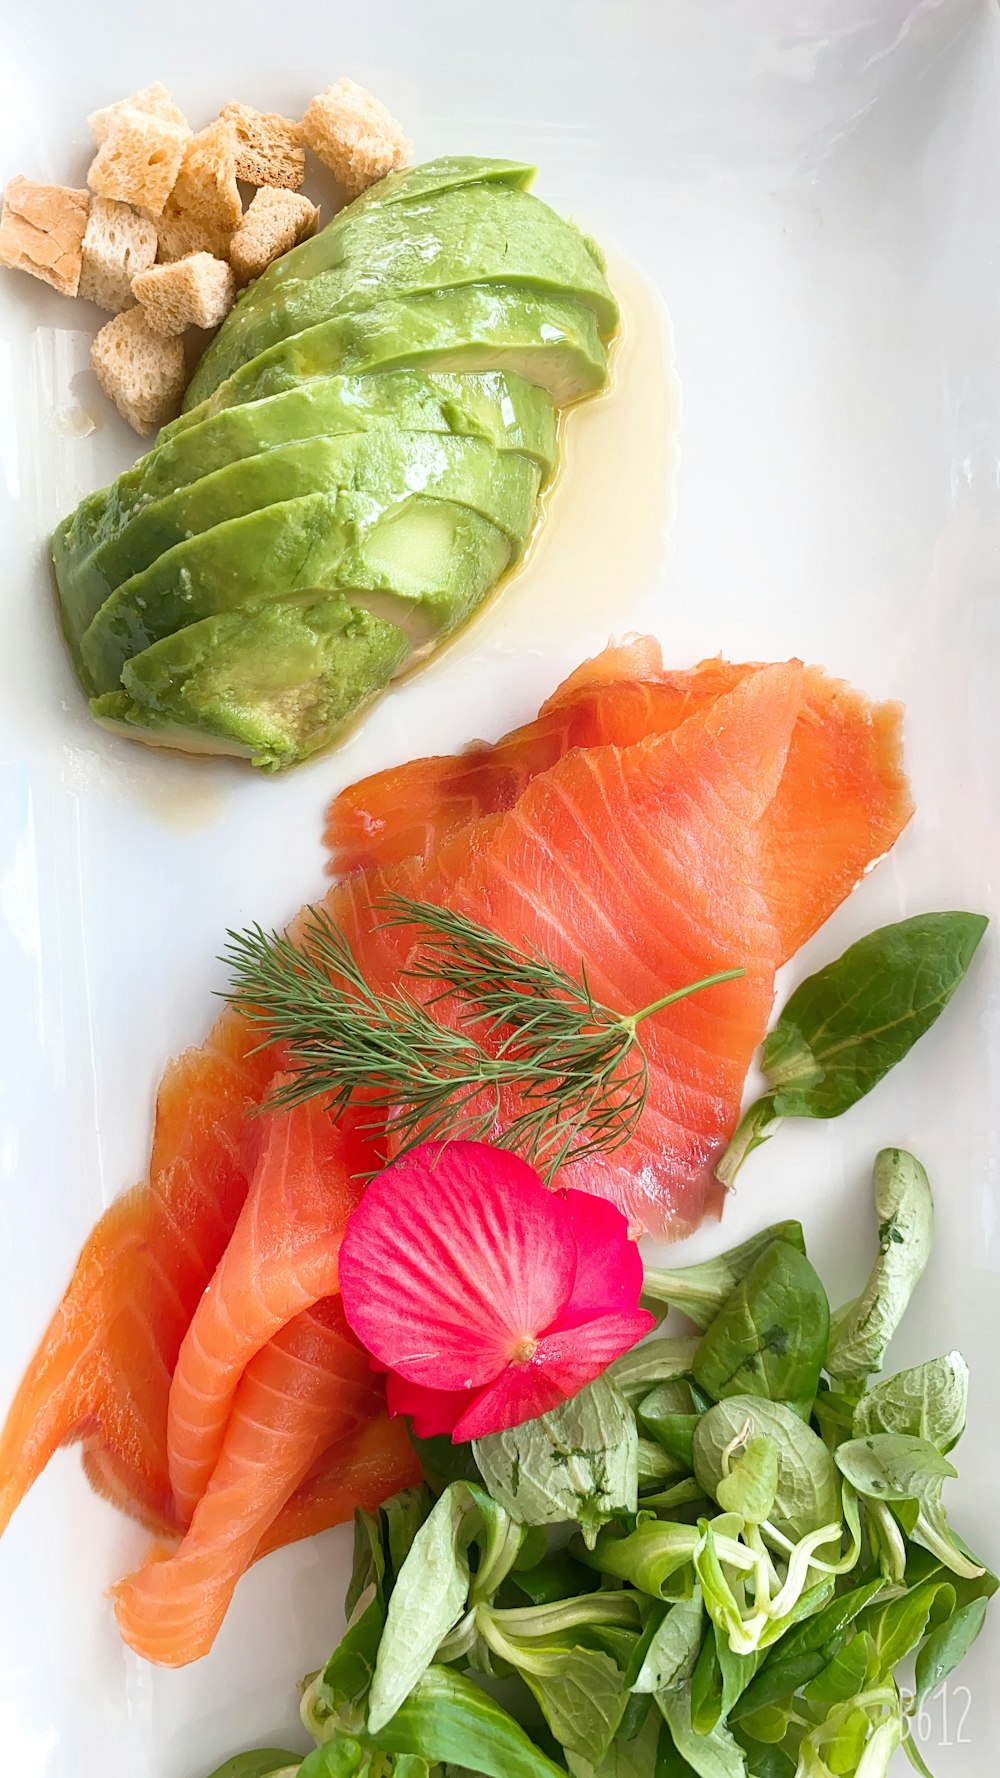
x=841, y=804
x=281, y=1258
x=645, y=861
x=363, y=1471
x=309, y=1388
x=104, y=1365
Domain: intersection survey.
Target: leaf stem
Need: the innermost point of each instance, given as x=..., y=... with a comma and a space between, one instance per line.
x=630, y=1020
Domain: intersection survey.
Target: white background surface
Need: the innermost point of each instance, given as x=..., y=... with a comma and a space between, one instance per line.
x=814, y=186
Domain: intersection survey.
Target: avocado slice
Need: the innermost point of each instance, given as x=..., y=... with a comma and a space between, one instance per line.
x=510, y=413
x=554, y=344
x=479, y=234
x=272, y=685
x=386, y=460
x=427, y=564
x=291, y=544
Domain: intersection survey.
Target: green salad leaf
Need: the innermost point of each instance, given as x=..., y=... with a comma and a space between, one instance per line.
x=947, y=1645
x=643, y=1367
x=449, y=1719
x=769, y=1337
x=666, y=1656
x=701, y=1290
x=905, y=1211
x=578, y=1463
x=846, y=1026
x=807, y=1495
x=259, y=1763
x=715, y=1755
x=929, y=1401
x=894, y=1467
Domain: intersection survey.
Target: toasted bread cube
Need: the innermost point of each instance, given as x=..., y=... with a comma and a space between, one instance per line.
x=269, y=147
x=118, y=244
x=154, y=100
x=353, y=134
x=205, y=205
x=41, y=232
x=274, y=222
x=139, y=160
x=197, y=291
x=139, y=370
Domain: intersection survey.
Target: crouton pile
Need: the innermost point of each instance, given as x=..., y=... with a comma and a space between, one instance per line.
x=161, y=240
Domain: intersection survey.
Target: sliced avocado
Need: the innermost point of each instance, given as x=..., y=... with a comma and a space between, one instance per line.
x=510, y=413
x=426, y=565
x=386, y=461
x=279, y=548
x=554, y=344
x=476, y=234
x=272, y=685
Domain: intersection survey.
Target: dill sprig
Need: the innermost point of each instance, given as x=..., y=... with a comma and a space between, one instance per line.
x=575, y=1069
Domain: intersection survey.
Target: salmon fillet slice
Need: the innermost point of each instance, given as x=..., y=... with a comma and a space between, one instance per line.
x=281, y=1258
x=103, y=1367
x=841, y=804
x=309, y=1388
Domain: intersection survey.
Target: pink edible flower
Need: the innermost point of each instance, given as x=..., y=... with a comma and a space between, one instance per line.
x=487, y=1298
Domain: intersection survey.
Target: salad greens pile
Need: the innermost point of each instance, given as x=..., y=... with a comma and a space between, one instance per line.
x=713, y=1561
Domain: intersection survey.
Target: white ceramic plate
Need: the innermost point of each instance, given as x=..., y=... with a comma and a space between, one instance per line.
x=814, y=188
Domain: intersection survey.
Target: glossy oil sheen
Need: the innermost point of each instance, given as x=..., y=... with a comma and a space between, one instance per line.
x=813, y=188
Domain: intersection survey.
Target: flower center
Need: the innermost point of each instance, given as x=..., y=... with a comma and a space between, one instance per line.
x=525, y=1349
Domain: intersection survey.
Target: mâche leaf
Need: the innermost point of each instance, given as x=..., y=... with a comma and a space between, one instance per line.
x=259, y=1763
x=808, y=1489
x=717, y=1755
x=431, y=1592
x=661, y=1360
x=946, y=1646
x=890, y=1467
x=769, y=1337
x=929, y=1401
x=905, y=1211
x=751, y=1484
x=578, y=1463
x=847, y=1025
x=668, y=1654
x=701, y=1290
x=580, y=1691
x=448, y=1718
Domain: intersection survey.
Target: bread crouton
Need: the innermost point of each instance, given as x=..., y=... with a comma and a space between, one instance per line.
x=197, y=291
x=154, y=100
x=268, y=147
x=139, y=160
x=41, y=231
x=274, y=222
x=139, y=370
x=205, y=205
x=353, y=134
x=118, y=244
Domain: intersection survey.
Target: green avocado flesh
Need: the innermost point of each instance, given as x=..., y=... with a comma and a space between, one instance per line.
x=358, y=464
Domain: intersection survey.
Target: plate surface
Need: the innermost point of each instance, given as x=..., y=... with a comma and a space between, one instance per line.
x=813, y=186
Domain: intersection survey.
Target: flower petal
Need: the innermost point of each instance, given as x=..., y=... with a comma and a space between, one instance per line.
x=562, y=1364
x=453, y=1258
x=609, y=1269
x=431, y=1411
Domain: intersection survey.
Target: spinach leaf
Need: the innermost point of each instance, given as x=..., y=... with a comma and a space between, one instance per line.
x=891, y=1466
x=343, y=1757
x=928, y=1402
x=769, y=1338
x=701, y=1290
x=431, y=1592
x=778, y=1679
x=808, y=1493
x=947, y=1646
x=767, y=1762
x=668, y=1654
x=843, y=1676
x=449, y=1719
x=258, y=1764
x=578, y=1463
x=661, y=1360
x=905, y=1213
x=846, y=1026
